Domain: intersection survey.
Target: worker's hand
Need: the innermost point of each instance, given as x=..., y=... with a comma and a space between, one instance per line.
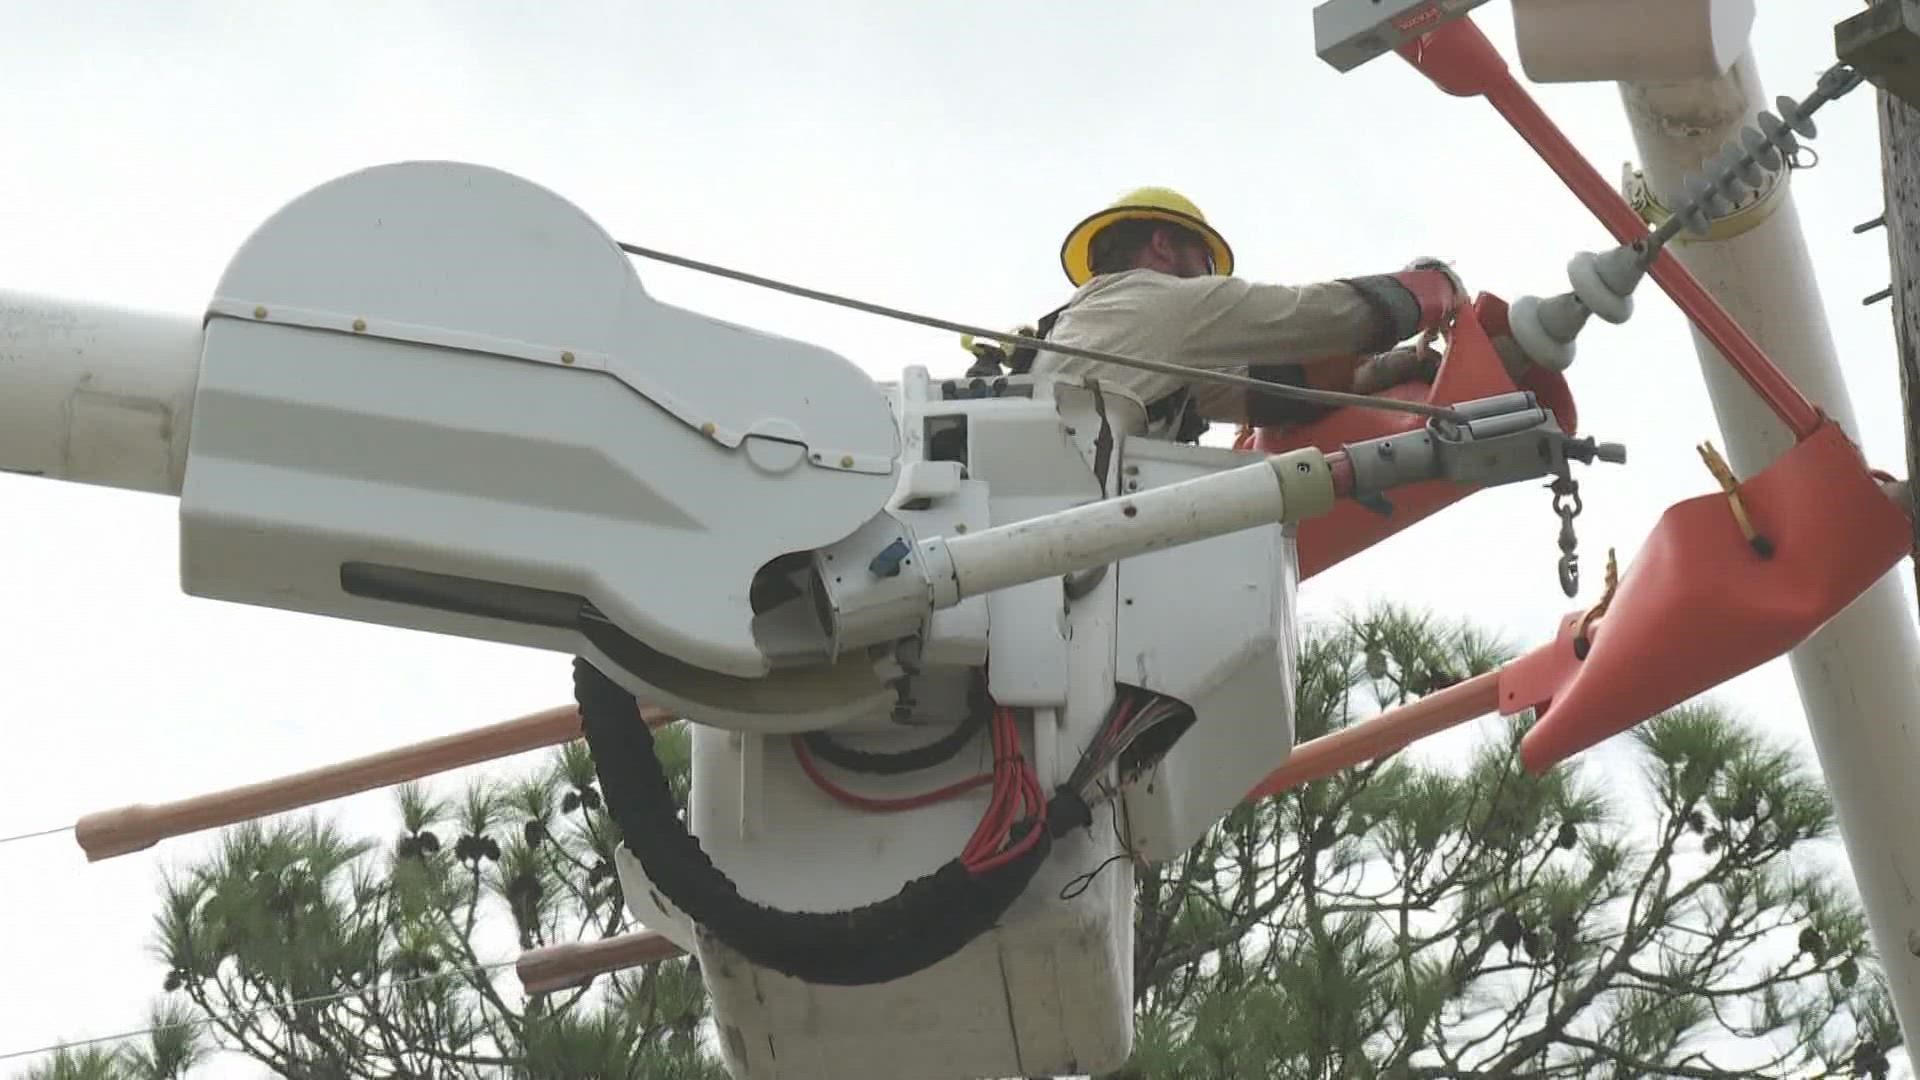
x=1428, y=262
x=1409, y=363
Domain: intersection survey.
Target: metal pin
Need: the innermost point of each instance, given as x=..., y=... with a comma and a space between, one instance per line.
x=1868, y=226
x=1883, y=294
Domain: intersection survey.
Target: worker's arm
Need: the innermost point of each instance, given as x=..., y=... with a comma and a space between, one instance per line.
x=1231, y=323
x=1286, y=334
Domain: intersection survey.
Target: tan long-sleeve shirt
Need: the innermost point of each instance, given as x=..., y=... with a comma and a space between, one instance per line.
x=1222, y=323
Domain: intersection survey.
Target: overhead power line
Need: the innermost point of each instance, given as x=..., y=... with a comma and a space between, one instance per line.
x=1247, y=382
x=238, y=1014
x=33, y=835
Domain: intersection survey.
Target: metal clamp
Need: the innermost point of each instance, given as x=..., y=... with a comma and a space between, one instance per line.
x=1498, y=440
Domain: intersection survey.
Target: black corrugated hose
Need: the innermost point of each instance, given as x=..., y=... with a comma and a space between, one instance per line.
x=928, y=920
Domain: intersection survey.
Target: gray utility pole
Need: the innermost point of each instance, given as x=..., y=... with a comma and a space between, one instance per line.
x=1900, y=165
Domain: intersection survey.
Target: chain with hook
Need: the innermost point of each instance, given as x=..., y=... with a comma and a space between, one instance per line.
x=1567, y=506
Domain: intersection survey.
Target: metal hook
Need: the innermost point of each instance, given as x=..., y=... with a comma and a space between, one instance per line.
x=1567, y=506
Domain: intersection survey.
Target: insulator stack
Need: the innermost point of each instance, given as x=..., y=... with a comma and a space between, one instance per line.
x=1759, y=151
x=1603, y=284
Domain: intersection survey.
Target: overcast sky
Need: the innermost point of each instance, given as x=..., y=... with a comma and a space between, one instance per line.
x=927, y=155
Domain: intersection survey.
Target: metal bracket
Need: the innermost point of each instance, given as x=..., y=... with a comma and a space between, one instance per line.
x=1348, y=33
x=1883, y=44
x=1499, y=440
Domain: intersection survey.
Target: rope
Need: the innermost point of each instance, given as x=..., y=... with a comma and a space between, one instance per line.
x=1730, y=484
x=1606, y=596
x=319, y=999
x=1297, y=393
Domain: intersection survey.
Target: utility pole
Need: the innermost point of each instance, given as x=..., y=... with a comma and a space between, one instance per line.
x=1900, y=167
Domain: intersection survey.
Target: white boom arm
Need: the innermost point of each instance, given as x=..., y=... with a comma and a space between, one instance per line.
x=434, y=395
x=94, y=394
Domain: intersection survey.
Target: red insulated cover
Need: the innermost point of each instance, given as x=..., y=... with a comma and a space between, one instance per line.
x=1698, y=606
x=1470, y=370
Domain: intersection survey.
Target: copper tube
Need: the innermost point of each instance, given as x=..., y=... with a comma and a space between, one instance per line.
x=1384, y=734
x=1341, y=466
x=571, y=964
x=107, y=833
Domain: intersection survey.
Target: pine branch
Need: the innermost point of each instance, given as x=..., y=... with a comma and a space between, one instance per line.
x=1554, y=1027
x=1641, y=1067
x=482, y=983
x=1226, y=935
x=1148, y=959
x=298, y=1020
x=237, y=1027
x=376, y=1022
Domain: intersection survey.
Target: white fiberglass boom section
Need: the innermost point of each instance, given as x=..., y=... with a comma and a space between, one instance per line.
x=1861, y=672
x=95, y=394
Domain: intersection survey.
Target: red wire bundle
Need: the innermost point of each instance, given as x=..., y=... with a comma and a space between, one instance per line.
x=1013, y=780
x=1016, y=795
x=880, y=806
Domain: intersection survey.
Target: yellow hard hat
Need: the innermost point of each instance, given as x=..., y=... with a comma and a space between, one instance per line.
x=1141, y=204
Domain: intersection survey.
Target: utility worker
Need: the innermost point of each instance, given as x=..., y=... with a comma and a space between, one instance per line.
x=1155, y=281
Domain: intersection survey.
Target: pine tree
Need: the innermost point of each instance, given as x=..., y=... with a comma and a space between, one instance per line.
x=1412, y=918
x=293, y=909
x=1409, y=919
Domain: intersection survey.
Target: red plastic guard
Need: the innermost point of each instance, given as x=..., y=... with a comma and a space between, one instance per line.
x=1471, y=369
x=1699, y=606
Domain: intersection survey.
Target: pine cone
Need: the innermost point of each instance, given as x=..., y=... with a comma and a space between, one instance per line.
x=1813, y=944
x=1506, y=930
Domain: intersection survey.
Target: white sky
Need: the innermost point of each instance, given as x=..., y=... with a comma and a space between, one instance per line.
x=928, y=155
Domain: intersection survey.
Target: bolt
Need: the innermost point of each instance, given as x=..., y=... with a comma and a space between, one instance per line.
x=359, y=326
x=708, y=429
x=1386, y=450
x=1130, y=510
x=566, y=358
x=846, y=461
x=1304, y=467
x=960, y=528
x=1883, y=294
x=260, y=313
x=1868, y=226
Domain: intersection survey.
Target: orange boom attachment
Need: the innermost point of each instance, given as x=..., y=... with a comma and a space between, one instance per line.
x=1469, y=370
x=1723, y=584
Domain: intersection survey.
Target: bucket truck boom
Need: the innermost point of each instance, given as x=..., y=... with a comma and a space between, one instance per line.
x=436, y=396
x=936, y=638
